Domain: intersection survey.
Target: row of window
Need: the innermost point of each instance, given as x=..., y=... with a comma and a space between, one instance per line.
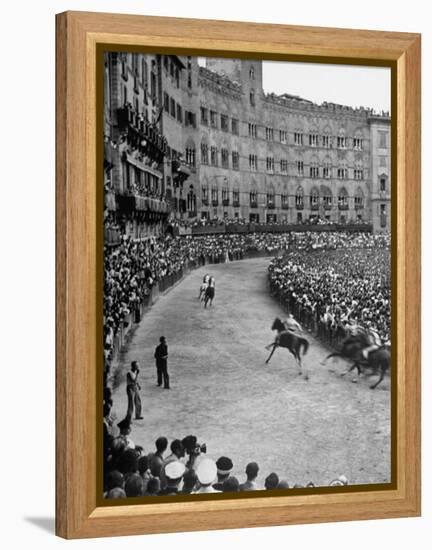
x=176, y=111
x=327, y=200
x=209, y=155
x=172, y=70
x=214, y=120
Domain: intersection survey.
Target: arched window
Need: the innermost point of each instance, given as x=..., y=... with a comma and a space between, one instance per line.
x=314, y=199
x=359, y=199
x=270, y=197
x=225, y=192
x=215, y=195
x=253, y=195
x=342, y=172
x=314, y=167
x=236, y=194
x=205, y=193
x=299, y=198
x=204, y=152
x=383, y=183
x=358, y=170
x=251, y=73
x=190, y=153
x=326, y=137
x=252, y=97
x=358, y=141
x=191, y=200
x=224, y=155
x=327, y=168
x=343, y=199
x=213, y=155
x=313, y=136
x=327, y=198
x=341, y=139
x=284, y=197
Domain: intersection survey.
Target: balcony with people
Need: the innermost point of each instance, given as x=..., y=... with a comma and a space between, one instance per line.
x=140, y=134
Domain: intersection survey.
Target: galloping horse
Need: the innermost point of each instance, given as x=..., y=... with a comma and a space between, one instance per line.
x=289, y=340
x=210, y=292
x=352, y=349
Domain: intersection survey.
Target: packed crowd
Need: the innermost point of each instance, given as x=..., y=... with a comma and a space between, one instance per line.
x=216, y=222
x=132, y=268
x=130, y=471
x=338, y=290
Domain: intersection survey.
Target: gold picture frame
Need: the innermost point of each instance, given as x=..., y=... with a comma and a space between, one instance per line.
x=80, y=39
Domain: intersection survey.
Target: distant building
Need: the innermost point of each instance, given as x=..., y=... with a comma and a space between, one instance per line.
x=209, y=143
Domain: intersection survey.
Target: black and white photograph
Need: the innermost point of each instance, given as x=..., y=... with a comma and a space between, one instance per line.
x=247, y=276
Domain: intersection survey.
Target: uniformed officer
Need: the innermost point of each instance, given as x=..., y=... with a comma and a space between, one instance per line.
x=174, y=474
x=161, y=356
x=206, y=472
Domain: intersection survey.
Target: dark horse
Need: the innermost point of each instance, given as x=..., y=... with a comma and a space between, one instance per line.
x=209, y=295
x=289, y=340
x=352, y=349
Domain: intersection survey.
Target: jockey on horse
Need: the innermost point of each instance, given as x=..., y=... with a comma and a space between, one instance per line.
x=374, y=339
x=290, y=325
x=364, y=348
x=203, y=287
x=210, y=291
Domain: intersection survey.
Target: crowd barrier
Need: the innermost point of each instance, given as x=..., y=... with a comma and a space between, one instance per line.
x=235, y=228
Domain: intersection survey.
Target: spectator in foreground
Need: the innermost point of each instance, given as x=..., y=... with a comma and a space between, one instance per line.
x=153, y=487
x=173, y=475
x=114, y=480
x=271, y=481
x=117, y=492
x=125, y=429
x=224, y=468
x=134, y=486
x=156, y=460
x=231, y=485
x=252, y=470
x=190, y=480
x=206, y=473
x=177, y=453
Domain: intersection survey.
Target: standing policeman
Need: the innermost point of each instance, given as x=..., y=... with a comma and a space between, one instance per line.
x=161, y=356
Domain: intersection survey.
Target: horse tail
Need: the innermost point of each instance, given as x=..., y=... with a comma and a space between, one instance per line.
x=305, y=344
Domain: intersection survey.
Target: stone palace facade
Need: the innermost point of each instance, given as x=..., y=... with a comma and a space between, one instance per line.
x=192, y=142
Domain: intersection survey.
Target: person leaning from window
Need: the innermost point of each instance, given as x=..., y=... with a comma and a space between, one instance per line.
x=132, y=390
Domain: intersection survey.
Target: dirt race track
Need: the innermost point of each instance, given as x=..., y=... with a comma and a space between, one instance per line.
x=222, y=392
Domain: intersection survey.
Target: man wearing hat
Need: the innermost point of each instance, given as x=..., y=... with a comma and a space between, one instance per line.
x=125, y=429
x=177, y=453
x=161, y=356
x=224, y=467
x=174, y=474
x=206, y=473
